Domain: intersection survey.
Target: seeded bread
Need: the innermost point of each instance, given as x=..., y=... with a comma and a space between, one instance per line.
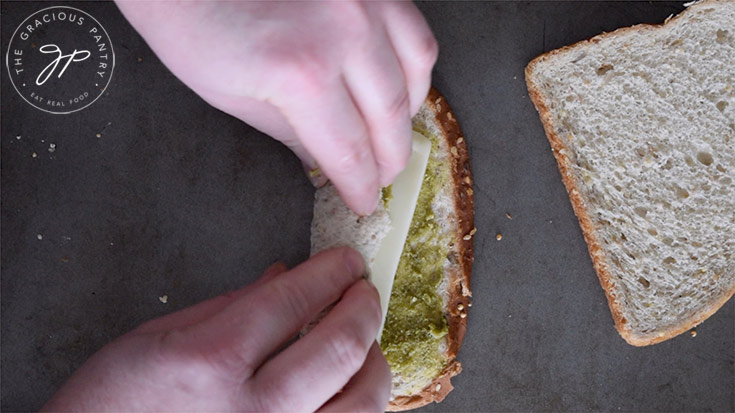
x=334, y=225
x=642, y=124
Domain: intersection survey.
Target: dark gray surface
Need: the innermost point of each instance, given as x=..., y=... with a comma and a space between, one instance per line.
x=177, y=198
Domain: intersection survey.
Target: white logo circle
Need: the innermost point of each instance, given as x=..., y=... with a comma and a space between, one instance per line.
x=60, y=59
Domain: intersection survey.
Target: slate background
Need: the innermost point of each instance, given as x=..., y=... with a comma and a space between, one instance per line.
x=180, y=199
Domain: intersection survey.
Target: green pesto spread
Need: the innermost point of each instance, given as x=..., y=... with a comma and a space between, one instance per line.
x=415, y=324
x=387, y=195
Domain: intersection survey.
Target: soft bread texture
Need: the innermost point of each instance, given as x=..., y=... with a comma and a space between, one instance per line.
x=642, y=124
x=335, y=225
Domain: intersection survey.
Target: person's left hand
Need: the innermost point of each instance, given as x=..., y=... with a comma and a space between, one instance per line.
x=222, y=354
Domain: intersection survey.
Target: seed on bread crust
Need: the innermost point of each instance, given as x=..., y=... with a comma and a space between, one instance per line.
x=459, y=273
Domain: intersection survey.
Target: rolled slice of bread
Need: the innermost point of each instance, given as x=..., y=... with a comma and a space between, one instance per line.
x=427, y=314
x=642, y=124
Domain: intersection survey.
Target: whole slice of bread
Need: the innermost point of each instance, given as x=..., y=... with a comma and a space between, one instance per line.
x=642, y=124
x=452, y=206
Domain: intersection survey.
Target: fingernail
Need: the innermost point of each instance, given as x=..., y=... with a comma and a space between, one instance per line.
x=315, y=175
x=373, y=204
x=354, y=262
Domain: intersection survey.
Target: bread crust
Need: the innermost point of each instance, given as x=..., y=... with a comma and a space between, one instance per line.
x=461, y=252
x=596, y=252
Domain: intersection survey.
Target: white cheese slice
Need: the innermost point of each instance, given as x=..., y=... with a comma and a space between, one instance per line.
x=405, y=191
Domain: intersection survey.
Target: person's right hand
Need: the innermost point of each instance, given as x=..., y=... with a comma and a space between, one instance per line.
x=223, y=354
x=337, y=82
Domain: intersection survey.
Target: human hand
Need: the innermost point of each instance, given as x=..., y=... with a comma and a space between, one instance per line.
x=221, y=354
x=337, y=82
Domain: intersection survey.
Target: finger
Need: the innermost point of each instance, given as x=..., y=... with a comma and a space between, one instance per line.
x=415, y=46
x=202, y=311
x=369, y=389
x=315, y=175
x=240, y=337
x=332, y=130
x=378, y=86
x=270, y=273
x=325, y=358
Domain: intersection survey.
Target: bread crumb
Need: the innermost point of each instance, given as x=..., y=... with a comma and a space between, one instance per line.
x=99, y=135
x=460, y=139
x=39, y=236
x=163, y=299
x=693, y=333
x=467, y=237
x=17, y=137
x=51, y=147
x=140, y=59
x=34, y=155
x=474, y=230
x=469, y=304
x=508, y=215
x=64, y=259
x=499, y=236
x=463, y=315
x=438, y=387
x=460, y=306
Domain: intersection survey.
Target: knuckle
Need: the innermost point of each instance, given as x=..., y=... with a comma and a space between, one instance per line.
x=232, y=360
x=352, y=155
x=302, y=72
x=397, y=109
x=306, y=79
x=428, y=52
x=229, y=355
x=292, y=296
x=347, y=348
